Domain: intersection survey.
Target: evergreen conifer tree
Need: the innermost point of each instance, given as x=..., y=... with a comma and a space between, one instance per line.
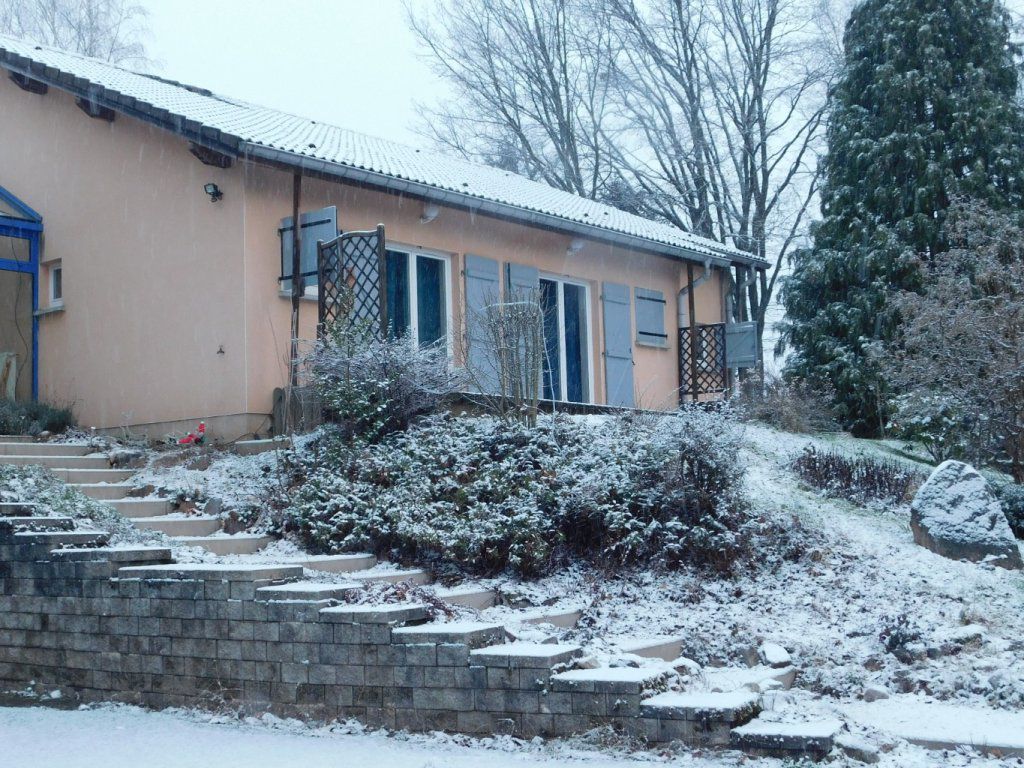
x=925, y=111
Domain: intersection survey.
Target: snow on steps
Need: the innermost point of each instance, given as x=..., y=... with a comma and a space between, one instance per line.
x=135, y=508
x=27, y=448
x=58, y=462
x=414, y=576
x=467, y=596
x=792, y=741
x=92, y=476
x=226, y=544
x=81, y=538
x=306, y=591
x=35, y=523
x=337, y=563
x=103, y=491
x=664, y=647
x=199, y=525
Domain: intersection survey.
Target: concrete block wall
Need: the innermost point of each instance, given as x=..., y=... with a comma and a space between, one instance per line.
x=131, y=626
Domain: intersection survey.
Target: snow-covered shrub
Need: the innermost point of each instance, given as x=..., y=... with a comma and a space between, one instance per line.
x=937, y=423
x=860, y=479
x=31, y=418
x=1011, y=497
x=371, y=386
x=792, y=405
x=490, y=495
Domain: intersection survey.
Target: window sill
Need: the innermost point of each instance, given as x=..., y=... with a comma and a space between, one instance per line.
x=307, y=297
x=656, y=343
x=52, y=310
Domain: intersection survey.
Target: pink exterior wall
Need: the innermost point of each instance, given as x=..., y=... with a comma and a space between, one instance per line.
x=172, y=310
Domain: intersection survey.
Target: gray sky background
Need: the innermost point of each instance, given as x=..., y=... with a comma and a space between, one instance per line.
x=352, y=63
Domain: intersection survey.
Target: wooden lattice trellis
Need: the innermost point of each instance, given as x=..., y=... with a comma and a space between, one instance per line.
x=703, y=353
x=352, y=279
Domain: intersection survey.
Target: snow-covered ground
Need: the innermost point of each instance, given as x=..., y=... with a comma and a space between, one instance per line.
x=127, y=737
x=845, y=590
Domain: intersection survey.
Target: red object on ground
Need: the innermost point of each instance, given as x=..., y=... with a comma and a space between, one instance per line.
x=195, y=438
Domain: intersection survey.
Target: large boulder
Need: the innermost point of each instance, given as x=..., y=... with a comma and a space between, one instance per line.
x=956, y=515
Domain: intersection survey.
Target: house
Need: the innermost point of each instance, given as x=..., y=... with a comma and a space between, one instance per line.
x=145, y=254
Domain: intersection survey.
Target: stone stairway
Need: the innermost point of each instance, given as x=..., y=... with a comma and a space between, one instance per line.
x=282, y=642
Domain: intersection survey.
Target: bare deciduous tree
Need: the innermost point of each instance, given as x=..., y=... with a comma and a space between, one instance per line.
x=112, y=30
x=525, y=99
x=704, y=113
x=959, y=358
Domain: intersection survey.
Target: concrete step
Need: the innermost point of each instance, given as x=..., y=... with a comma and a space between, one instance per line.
x=664, y=647
x=64, y=538
x=393, y=614
x=411, y=576
x=42, y=449
x=734, y=708
x=790, y=741
x=211, y=572
x=18, y=509
x=58, y=462
x=179, y=526
x=235, y=544
x=135, y=508
x=17, y=524
x=338, y=563
x=562, y=618
x=103, y=491
x=252, y=447
x=92, y=476
x=468, y=596
x=306, y=591
x=17, y=439
x=474, y=634
x=525, y=655
x=129, y=555
x=621, y=680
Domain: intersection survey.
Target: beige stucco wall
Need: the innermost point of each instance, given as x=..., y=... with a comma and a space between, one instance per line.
x=172, y=310
x=455, y=233
x=153, y=272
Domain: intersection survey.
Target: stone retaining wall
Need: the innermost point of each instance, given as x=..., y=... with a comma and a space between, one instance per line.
x=127, y=625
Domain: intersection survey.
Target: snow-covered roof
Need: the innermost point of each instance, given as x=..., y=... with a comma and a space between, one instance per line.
x=238, y=128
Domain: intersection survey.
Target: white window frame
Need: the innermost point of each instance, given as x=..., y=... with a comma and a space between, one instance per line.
x=411, y=252
x=51, y=270
x=563, y=383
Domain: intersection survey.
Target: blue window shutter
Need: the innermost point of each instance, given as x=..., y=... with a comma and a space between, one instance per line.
x=483, y=288
x=316, y=225
x=521, y=280
x=650, y=317
x=618, y=346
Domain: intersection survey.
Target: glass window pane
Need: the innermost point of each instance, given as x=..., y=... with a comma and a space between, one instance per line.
x=576, y=374
x=432, y=312
x=399, y=320
x=552, y=346
x=15, y=248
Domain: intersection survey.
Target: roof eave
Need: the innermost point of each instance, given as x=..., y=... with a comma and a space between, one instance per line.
x=503, y=210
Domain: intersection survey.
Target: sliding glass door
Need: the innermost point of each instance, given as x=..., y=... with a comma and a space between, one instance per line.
x=567, y=374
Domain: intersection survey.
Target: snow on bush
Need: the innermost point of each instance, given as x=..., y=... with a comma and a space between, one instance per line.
x=371, y=386
x=31, y=418
x=486, y=495
x=860, y=479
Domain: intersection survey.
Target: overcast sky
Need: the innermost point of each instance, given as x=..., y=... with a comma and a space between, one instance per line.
x=352, y=63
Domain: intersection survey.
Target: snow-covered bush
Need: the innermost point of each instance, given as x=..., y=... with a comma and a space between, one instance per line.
x=793, y=405
x=1011, y=497
x=371, y=386
x=31, y=418
x=490, y=495
x=860, y=479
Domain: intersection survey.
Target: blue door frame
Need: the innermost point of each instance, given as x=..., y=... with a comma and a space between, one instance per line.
x=26, y=225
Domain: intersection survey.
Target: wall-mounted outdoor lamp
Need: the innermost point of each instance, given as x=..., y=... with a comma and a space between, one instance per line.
x=430, y=212
x=575, y=246
x=214, y=192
